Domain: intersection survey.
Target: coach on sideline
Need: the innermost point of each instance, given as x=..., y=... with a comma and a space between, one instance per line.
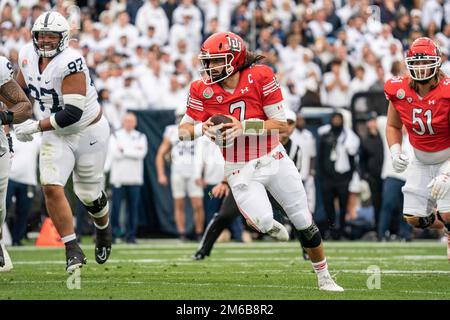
x=127, y=149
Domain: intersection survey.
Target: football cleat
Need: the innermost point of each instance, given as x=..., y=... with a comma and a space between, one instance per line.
x=198, y=256
x=74, y=258
x=103, y=243
x=5, y=260
x=327, y=283
x=278, y=232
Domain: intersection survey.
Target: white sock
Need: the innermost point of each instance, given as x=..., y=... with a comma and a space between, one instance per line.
x=321, y=267
x=68, y=238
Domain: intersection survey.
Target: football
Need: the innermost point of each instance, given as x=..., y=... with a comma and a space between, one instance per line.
x=220, y=118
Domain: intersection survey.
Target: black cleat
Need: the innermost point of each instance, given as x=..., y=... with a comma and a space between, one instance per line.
x=74, y=258
x=198, y=256
x=103, y=243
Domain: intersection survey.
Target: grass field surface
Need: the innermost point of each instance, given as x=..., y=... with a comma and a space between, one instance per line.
x=163, y=269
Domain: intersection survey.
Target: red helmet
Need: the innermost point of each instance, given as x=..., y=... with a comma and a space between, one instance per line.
x=423, y=50
x=221, y=45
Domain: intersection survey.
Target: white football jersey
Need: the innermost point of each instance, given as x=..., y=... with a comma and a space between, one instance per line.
x=185, y=154
x=45, y=87
x=6, y=74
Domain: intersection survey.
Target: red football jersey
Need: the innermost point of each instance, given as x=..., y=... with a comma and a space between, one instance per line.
x=426, y=118
x=257, y=88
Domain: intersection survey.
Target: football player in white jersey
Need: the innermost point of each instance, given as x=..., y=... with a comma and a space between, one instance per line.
x=18, y=109
x=75, y=134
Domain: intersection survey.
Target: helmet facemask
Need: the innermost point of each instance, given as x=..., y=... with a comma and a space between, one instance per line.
x=423, y=72
x=48, y=49
x=206, y=71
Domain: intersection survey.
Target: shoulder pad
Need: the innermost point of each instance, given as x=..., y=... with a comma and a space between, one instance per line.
x=6, y=70
x=393, y=85
x=71, y=61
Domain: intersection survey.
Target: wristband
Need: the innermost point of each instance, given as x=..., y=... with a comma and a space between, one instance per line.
x=198, y=130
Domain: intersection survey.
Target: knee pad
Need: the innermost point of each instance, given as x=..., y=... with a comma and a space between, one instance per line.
x=299, y=215
x=263, y=224
x=99, y=207
x=310, y=237
x=423, y=222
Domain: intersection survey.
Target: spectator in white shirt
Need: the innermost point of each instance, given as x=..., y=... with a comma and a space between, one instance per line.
x=290, y=54
x=186, y=29
x=432, y=11
x=151, y=14
x=127, y=150
x=175, y=96
x=336, y=87
x=123, y=28
x=130, y=96
x=319, y=26
x=359, y=83
x=187, y=8
x=220, y=10
x=443, y=39
x=305, y=72
x=22, y=182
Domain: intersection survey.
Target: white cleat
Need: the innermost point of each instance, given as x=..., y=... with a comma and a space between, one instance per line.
x=278, y=232
x=6, y=259
x=327, y=283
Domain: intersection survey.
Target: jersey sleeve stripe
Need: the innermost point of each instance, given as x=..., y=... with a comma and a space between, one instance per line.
x=269, y=87
x=195, y=100
x=269, y=84
x=195, y=107
x=196, y=103
x=265, y=93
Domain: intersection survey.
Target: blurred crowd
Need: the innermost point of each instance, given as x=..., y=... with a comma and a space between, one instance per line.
x=323, y=51
x=142, y=54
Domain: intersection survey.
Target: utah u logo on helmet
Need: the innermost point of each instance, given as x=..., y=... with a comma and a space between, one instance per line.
x=235, y=44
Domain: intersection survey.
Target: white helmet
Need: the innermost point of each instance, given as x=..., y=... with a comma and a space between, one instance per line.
x=53, y=22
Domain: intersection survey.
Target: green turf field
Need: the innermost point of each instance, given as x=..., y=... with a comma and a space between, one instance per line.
x=261, y=270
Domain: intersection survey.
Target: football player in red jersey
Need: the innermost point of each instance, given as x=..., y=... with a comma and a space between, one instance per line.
x=255, y=160
x=421, y=103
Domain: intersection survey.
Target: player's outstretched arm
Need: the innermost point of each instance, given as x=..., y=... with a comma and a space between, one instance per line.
x=15, y=99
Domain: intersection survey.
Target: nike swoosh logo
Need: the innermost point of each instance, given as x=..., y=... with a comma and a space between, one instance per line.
x=1, y=155
x=47, y=82
x=92, y=143
x=103, y=255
